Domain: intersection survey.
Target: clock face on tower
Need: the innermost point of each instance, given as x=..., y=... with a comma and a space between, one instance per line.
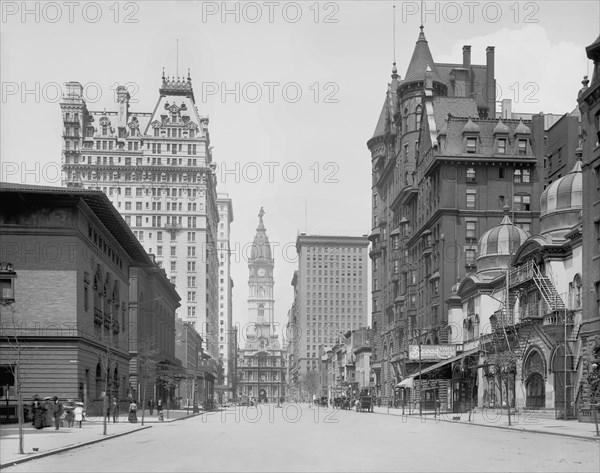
x=261, y=272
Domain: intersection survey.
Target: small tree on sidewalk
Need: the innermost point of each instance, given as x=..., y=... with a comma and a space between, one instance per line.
x=169, y=377
x=505, y=367
x=148, y=360
x=9, y=333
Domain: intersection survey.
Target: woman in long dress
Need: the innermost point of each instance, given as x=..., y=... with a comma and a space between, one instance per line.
x=133, y=412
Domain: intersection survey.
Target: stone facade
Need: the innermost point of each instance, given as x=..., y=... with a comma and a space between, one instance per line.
x=158, y=171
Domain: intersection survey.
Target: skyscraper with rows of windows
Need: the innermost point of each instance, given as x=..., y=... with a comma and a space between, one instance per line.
x=331, y=297
x=157, y=170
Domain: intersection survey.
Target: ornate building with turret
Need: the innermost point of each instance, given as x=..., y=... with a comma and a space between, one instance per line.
x=158, y=171
x=444, y=167
x=261, y=364
x=519, y=314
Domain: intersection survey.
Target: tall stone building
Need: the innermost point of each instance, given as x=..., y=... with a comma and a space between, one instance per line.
x=444, y=168
x=157, y=169
x=226, y=343
x=330, y=296
x=589, y=105
x=261, y=364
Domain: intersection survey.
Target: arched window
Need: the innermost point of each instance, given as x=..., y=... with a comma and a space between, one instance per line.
x=575, y=288
x=418, y=113
x=261, y=310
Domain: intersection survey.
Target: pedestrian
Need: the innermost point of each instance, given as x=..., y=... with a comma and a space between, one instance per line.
x=69, y=414
x=57, y=410
x=151, y=406
x=47, y=412
x=159, y=409
x=115, y=410
x=133, y=412
x=78, y=412
x=38, y=412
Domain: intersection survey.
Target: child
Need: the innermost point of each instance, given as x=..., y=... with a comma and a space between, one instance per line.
x=78, y=413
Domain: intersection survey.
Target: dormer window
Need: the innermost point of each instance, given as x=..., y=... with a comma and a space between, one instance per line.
x=501, y=146
x=522, y=146
x=471, y=144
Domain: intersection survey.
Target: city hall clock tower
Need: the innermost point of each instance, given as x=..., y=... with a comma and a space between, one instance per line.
x=260, y=300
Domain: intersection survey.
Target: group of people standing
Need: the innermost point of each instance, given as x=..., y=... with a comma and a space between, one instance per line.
x=50, y=412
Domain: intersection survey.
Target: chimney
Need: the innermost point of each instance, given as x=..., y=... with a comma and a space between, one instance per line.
x=490, y=82
x=506, y=108
x=467, y=56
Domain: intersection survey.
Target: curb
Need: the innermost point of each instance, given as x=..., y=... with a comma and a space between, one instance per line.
x=89, y=442
x=70, y=447
x=505, y=427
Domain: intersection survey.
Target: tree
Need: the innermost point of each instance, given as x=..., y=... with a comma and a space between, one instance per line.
x=505, y=366
x=10, y=334
x=169, y=377
x=148, y=360
x=311, y=382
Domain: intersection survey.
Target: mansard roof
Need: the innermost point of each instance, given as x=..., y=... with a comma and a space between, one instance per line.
x=487, y=141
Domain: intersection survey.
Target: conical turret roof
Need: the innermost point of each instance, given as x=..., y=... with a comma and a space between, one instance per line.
x=421, y=58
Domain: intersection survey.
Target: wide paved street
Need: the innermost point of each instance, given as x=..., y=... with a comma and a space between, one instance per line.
x=304, y=439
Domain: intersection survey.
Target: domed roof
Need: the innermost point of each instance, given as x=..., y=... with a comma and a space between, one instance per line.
x=504, y=239
x=470, y=127
x=261, y=248
x=522, y=129
x=501, y=128
x=564, y=194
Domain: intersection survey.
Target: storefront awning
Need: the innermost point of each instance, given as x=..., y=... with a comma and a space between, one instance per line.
x=406, y=383
x=443, y=363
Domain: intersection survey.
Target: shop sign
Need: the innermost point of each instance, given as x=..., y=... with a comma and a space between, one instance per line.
x=432, y=352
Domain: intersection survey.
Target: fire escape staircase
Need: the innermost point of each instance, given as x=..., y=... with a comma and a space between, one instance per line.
x=547, y=290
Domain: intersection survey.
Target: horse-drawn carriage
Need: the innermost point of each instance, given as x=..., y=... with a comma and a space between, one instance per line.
x=364, y=402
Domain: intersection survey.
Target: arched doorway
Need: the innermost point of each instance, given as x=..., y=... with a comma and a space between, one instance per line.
x=536, y=395
x=534, y=372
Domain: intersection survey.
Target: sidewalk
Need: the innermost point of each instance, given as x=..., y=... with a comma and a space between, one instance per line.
x=495, y=418
x=47, y=441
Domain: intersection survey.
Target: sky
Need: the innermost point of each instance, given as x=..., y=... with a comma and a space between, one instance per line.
x=293, y=91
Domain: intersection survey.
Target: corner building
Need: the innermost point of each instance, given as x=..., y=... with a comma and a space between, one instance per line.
x=157, y=170
x=444, y=168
